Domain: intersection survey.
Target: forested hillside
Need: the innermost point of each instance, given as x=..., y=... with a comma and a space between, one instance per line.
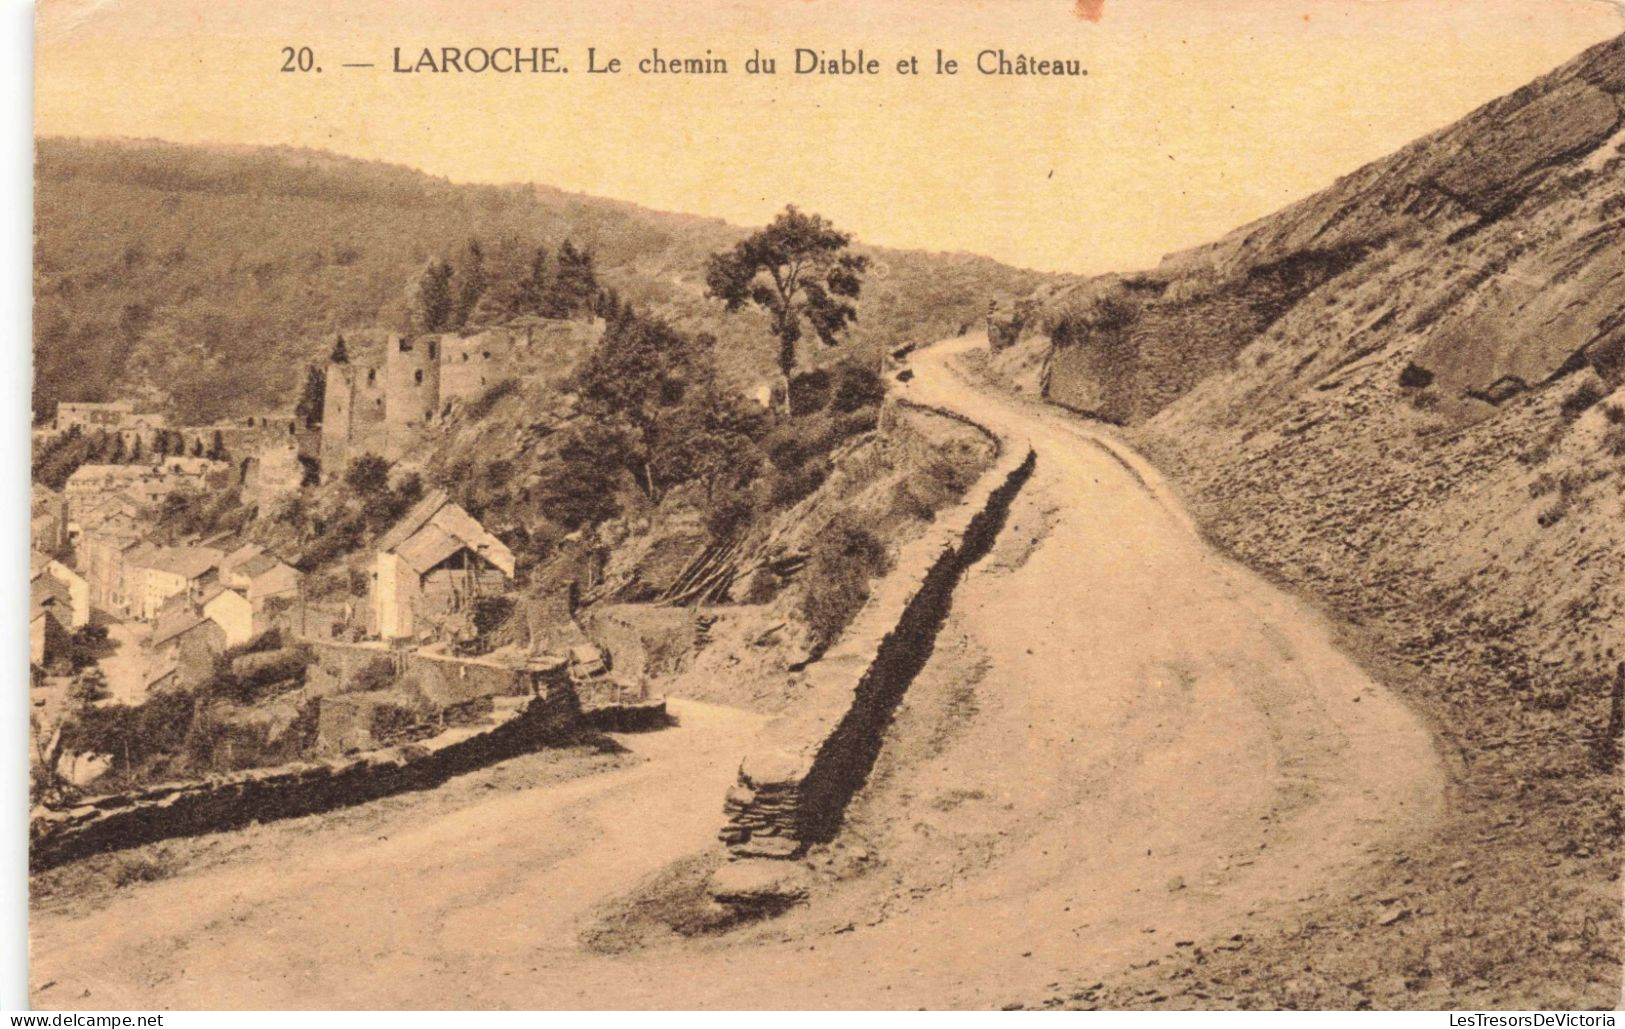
x=205, y=278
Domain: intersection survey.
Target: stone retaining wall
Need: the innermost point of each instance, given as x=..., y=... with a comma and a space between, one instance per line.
x=796, y=793
x=516, y=725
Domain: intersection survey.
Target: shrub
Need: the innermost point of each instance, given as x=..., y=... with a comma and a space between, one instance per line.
x=810, y=391
x=836, y=578
x=368, y=474
x=1613, y=441
x=1615, y=413
x=856, y=386
x=1585, y=396
x=377, y=674
x=1414, y=376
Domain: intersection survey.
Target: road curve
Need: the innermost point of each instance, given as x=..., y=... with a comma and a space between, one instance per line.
x=1146, y=744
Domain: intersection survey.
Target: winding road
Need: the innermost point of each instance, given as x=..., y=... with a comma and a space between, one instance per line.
x=1123, y=743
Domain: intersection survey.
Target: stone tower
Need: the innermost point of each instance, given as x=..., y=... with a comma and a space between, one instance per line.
x=411, y=391
x=352, y=416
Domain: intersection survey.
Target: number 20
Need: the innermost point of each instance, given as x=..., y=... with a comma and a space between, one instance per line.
x=301, y=59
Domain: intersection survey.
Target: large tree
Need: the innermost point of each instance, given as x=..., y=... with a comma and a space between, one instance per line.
x=796, y=268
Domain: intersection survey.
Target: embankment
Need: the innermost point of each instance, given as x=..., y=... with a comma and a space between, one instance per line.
x=794, y=791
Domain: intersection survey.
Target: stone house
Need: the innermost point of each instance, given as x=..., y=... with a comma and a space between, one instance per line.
x=184, y=645
x=435, y=562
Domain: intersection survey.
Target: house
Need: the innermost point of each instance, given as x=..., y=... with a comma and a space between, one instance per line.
x=175, y=571
x=261, y=577
x=48, y=519
x=48, y=634
x=436, y=561
x=69, y=586
x=184, y=639
x=232, y=611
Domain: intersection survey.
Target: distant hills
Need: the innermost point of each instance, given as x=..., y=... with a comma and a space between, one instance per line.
x=204, y=278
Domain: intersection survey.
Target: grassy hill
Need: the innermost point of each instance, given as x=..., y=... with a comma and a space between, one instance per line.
x=206, y=277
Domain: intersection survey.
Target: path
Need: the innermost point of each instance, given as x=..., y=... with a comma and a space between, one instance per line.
x=1137, y=744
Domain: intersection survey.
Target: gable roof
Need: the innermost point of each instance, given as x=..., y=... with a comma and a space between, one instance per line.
x=413, y=520
x=242, y=555
x=445, y=528
x=257, y=565
x=427, y=548
x=174, y=624
x=187, y=562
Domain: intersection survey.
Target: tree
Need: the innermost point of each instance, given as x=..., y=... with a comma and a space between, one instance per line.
x=533, y=287
x=314, y=395
x=471, y=285
x=429, y=300
x=796, y=268
x=217, y=447
x=574, y=285
x=635, y=378
x=341, y=353
x=368, y=475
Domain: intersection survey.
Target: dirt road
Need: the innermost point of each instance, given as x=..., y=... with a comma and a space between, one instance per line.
x=1123, y=744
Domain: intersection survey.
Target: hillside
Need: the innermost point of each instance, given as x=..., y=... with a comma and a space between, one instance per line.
x=206, y=277
x=1403, y=397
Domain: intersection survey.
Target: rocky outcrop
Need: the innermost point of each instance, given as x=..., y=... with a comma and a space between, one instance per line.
x=1491, y=252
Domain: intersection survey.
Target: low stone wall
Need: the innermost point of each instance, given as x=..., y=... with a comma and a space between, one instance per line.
x=516, y=725
x=634, y=716
x=796, y=793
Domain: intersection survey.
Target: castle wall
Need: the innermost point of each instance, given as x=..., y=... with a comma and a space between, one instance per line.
x=470, y=365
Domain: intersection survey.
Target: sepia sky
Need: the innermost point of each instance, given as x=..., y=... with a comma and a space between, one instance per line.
x=1196, y=115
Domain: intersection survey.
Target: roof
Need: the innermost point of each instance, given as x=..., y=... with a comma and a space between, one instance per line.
x=242, y=555
x=258, y=565
x=47, y=594
x=187, y=562
x=413, y=520
x=174, y=624
x=37, y=563
x=165, y=666
x=445, y=529
x=427, y=548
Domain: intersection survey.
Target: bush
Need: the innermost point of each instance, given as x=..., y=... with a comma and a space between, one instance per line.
x=856, y=386
x=368, y=474
x=377, y=674
x=1414, y=376
x=836, y=579
x=1613, y=441
x=1581, y=400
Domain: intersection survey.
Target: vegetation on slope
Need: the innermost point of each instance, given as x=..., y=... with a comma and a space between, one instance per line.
x=208, y=278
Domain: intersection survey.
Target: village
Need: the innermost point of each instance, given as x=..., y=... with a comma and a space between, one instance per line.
x=124, y=614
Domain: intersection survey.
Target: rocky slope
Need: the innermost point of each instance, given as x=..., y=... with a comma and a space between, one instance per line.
x=1403, y=397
